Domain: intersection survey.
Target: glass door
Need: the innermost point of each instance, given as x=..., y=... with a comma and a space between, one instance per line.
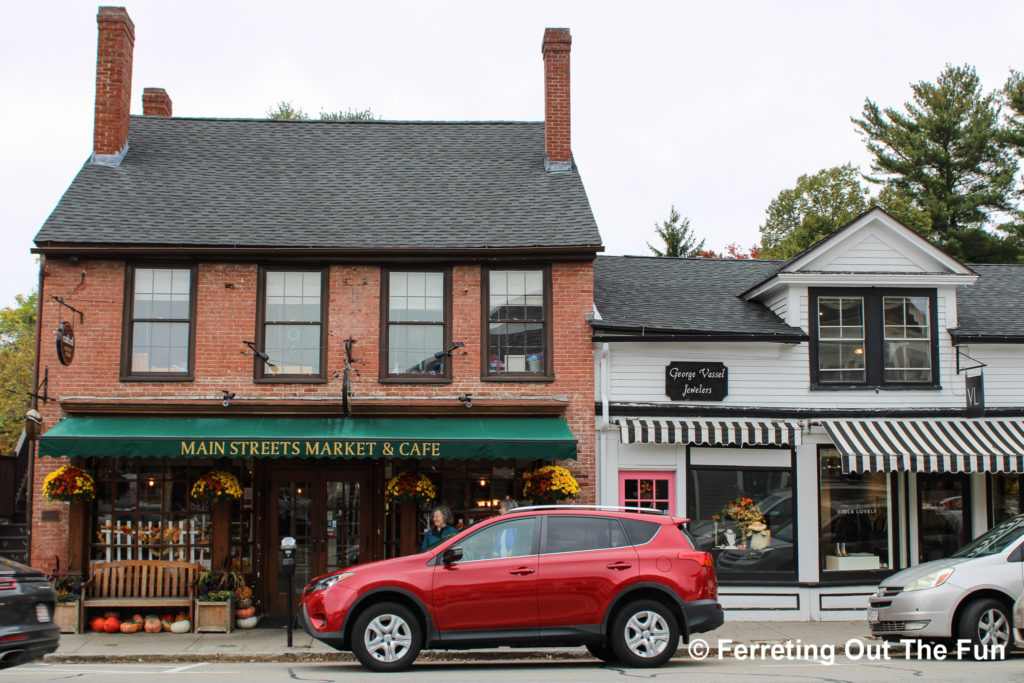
x=291, y=514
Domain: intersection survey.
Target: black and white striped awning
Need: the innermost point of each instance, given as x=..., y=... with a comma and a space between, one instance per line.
x=952, y=445
x=709, y=432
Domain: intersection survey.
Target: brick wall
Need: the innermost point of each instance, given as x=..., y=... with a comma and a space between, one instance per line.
x=113, y=79
x=226, y=305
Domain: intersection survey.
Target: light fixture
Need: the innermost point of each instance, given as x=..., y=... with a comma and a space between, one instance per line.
x=467, y=399
x=858, y=351
x=225, y=400
x=483, y=482
x=448, y=352
x=262, y=355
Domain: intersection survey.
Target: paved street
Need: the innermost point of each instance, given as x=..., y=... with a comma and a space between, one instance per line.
x=725, y=669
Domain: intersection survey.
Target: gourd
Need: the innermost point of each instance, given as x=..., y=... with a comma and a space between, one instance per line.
x=243, y=603
x=153, y=625
x=112, y=625
x=166, y=624
x=182, y=626
x=248, y=622
x=137, y=619
x=129, y=627
x=245, y=613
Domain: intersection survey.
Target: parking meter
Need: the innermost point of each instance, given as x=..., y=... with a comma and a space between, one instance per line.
x=288, y=567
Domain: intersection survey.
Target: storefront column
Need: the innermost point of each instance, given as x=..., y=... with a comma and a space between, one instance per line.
x=78, y=535
x=220, y=532
x=409, y=532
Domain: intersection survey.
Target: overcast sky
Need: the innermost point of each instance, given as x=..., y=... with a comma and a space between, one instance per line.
x=712, y=106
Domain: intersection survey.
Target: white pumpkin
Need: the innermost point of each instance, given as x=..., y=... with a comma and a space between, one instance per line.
x=249, y=622
x=183, y=626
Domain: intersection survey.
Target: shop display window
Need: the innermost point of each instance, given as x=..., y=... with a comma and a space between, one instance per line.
x=854, y=517
x=745, y=517
x=647, y=490
x=1006, y=497
x=943, y=514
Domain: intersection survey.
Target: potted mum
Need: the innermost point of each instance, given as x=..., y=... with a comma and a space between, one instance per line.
x=550, y=484
x=216, y=486
x=69, y=484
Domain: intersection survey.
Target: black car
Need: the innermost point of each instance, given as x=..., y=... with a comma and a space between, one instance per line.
x=27, y=630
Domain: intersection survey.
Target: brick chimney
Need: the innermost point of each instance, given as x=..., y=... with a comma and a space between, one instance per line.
x=156, y=102
x=558, y=153
x=113, y=85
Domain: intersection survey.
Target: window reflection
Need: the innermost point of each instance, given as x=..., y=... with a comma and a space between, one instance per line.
x=854, y=517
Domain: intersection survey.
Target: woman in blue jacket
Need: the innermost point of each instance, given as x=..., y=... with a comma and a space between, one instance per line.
x=441, y=526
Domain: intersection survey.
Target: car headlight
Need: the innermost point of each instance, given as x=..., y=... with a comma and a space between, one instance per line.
x=929, y=580
x=327, y=581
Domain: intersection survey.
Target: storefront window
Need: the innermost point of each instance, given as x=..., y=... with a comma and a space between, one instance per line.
x=745, y=519
x=943, y=519
x=647, y=490
x=1006, y=496
x=854, y=517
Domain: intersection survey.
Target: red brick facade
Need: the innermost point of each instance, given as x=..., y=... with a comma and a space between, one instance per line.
x=226, y=315
x=556, y=46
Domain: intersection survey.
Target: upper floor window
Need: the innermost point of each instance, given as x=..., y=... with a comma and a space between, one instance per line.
x=518, y=330
x=873, y=338
x=160, y=314
x=292, y=309
x=416, y=326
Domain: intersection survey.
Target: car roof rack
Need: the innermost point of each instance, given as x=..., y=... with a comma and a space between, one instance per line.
x=606, y=508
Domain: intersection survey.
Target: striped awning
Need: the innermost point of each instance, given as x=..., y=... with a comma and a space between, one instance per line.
x=951, y=445
x=709, y=432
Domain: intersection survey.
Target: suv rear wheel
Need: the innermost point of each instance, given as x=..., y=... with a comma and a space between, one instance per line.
x=386, y=637
x=644, y=633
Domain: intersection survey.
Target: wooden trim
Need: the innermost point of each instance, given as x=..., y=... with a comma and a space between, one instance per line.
x=548, y=375
x=383, y=375
x=127, y=328
x=259, y=373
x=220, y=535
x=319, y=408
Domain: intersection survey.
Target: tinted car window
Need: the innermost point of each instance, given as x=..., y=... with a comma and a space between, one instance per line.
x=639, y=531
x=513, y=538
x=568, y=534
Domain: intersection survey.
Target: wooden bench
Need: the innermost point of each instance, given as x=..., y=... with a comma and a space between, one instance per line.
x=138, y=584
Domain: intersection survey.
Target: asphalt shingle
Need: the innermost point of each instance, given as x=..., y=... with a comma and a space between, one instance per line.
x=993, y=306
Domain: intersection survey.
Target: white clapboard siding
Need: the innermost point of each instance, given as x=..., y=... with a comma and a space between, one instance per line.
x=875, y=247
x=871, y=254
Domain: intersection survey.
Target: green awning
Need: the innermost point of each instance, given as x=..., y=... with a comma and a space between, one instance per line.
x=323, y=438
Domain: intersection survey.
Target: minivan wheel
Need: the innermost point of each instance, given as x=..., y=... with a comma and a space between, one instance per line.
x=603, y=652
x=386, y=637
x=986, y=623
x=644, y=633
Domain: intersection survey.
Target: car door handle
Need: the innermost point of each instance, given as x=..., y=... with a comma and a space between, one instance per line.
x=619, y=565
x=522, y=571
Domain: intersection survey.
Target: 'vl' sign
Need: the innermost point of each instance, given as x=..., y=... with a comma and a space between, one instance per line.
x=975, y=391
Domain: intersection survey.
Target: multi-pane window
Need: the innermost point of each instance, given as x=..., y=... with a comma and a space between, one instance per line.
x=872, y=338
x=416, y=325
x=517, y=322
x=841, y=339
x=908, y=346
x=292, y=334
x=647, y=490
x=160, y=325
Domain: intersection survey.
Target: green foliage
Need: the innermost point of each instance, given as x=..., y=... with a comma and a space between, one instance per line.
x=285, y=110
x=679, y=240
x=947, y=150
x=813, y=209
x=17, y=357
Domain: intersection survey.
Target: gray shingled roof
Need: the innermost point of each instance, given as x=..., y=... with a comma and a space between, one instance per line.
x=336, y=185
x=993, y=307
x=683, y=296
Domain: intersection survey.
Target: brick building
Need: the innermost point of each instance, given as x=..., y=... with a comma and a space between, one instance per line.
x=313, y=306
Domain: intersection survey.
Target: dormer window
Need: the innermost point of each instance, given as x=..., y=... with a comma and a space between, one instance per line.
x=873, y=338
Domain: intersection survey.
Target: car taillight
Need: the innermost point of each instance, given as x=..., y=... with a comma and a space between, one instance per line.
x=701, y=558
x=8, y=584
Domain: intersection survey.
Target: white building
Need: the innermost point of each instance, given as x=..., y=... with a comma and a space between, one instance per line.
x=832, y=390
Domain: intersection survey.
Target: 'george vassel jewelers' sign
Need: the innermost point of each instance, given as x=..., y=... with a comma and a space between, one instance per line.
x=696, y=381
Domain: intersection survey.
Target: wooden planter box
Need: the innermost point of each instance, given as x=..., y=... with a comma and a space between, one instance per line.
x=66, y=616
x=213, y=617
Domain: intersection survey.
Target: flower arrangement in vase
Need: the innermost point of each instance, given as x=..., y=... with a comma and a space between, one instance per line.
x=744, y=513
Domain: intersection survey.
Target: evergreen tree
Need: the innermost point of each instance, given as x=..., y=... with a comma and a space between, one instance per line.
x=679, y=240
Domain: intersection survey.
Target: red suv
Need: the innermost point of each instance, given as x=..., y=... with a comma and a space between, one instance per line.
x=624, y=583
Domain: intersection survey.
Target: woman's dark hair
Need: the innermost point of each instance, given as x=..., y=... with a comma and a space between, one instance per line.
x=446, y=515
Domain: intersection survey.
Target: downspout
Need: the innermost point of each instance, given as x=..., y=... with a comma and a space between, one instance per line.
x=30, y=485
x=605, y=372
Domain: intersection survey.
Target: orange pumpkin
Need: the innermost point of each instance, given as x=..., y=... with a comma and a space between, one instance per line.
x=112, y=625
x=111, y=615
x=153, y=625
x=244, y=592
x=137, y=619
x=97, y=624
x=245, y=613
x=182, y=616
x=167, y=617
x=129, y=627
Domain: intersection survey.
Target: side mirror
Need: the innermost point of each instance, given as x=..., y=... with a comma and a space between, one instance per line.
x=451, y=555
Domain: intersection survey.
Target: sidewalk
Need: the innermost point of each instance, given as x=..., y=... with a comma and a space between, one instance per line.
x=270, y=645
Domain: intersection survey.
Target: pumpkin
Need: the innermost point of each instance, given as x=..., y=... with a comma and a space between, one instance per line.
x=181, y=616
x=249, y=622
x=243, y=603
x=167, y=617
x=245, y=613
x=137, y=619
x=165, y=624
x=182, y=626
x=97, y=624
x=112, y=625
x=111, y=615
x=153, y=625
x=244, y=593
x=129, y=627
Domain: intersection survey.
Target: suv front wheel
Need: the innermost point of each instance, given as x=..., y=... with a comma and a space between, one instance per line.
x=644, y=634
x=386, y=637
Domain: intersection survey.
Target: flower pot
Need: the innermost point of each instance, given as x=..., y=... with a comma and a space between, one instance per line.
x=213, y=617
x=66, y=616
